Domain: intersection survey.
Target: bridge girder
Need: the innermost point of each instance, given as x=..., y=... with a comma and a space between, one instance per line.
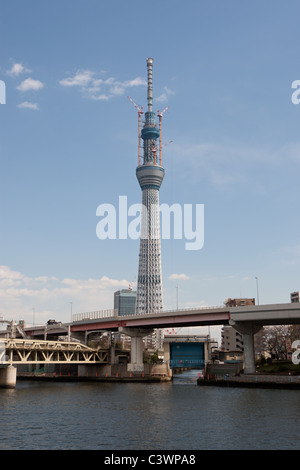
x=25, y=351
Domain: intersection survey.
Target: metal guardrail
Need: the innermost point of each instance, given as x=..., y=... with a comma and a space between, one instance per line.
x=108, y=313
x=99, y=314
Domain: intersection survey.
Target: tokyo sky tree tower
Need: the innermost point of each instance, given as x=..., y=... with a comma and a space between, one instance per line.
x=150, y=175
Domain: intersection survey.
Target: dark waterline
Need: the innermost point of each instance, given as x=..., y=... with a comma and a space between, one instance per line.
x=166, y=416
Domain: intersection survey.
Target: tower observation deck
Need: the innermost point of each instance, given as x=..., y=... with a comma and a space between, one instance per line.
x=150, y=175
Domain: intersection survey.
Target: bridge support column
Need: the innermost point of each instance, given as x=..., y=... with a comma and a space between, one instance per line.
x=137, y=335
x=248, y=330
x=8, y=377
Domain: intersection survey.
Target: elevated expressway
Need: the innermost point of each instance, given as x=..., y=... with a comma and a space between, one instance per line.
x=248, y=320
x=270, y=314
x=165, y=319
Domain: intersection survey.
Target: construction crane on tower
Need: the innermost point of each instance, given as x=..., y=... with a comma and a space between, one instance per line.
x=154, y=150
x=140, y=112
x=160, y=115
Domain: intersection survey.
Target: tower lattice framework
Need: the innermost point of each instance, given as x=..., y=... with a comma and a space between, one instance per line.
x=150, y=175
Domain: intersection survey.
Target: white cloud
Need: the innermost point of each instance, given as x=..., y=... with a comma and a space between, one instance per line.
x=181, y=277
x=17, y=69
x=231, y=162
x=99, y=89
x=9, y=277
x=165, y=95
x=80, y=79
x=45, y=279
x=88, y=284
x=30, y=84
x=50, y=297
x=29, y=105
x=223, y=164
x=101, y=97
x=138, y=81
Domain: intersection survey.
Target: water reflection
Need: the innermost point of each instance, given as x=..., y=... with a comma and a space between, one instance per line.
x=186, y=377
x=178, y=415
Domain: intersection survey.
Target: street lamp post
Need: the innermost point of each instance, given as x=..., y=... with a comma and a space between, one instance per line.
x=257, y=290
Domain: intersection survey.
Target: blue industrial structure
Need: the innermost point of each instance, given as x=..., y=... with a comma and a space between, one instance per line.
x=186, y=354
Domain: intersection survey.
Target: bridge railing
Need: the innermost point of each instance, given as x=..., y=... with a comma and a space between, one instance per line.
x=182, y=310
x=114, y=313
x=108, y=313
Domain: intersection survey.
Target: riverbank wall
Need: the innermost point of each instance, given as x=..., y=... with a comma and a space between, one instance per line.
x=96, y=373
x=252, y=381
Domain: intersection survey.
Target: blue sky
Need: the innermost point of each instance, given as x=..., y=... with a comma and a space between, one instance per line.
x=69, y=143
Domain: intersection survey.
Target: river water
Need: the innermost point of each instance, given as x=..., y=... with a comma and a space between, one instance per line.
x=147, y=416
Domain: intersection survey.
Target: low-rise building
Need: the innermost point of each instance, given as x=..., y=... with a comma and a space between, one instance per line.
x=231, y=339
x=295, y=297
x=239, y=302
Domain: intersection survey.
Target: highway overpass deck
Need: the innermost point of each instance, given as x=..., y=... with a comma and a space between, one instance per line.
x=261, y=315
x=173, y=318
x=269, y=314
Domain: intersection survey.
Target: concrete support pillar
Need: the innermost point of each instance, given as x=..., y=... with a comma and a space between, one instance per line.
x=248, y=330
x=137, y=350
x=112, y=355
x=8, y=377
x=137, y=335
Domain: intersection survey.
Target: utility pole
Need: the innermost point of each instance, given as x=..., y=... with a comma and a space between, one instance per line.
x=257, y=290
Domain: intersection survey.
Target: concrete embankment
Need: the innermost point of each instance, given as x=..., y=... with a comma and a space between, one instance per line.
x=253, y=381
x=93, y=373
x=65, y=378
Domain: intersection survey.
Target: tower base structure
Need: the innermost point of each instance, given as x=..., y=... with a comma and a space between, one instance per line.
x=137, y=334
